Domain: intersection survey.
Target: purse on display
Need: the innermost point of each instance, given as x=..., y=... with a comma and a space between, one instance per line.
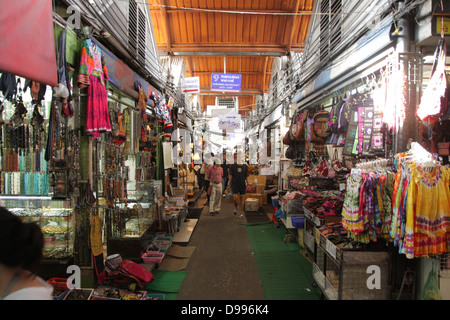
x=298, y=125
x=321, y=124
x=294, y=151
x=89, y=196
x=287, y=139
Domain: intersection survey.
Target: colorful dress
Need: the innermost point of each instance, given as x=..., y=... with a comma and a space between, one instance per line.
x=387, y=203
x=427, y=212
x=94, y=75
x=351, y=219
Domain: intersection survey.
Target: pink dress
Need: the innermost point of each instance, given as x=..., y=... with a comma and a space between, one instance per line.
x=94, y=75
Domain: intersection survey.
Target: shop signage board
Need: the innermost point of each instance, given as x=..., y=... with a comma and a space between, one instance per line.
x=226, y=82
x=191, y=85
x=442, y=22
x=123, y=77
x=230, y=122
x=220, y=112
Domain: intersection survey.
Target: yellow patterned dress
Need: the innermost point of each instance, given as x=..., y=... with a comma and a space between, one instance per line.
x=427, y=212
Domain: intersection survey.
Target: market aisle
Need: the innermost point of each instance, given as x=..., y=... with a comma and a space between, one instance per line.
x=222, y=266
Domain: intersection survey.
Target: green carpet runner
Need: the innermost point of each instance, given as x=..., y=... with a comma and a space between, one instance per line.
x=285, y=273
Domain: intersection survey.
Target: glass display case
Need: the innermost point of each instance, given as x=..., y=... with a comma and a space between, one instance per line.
x=55, y=217
x=129, y=223
x=136, y=217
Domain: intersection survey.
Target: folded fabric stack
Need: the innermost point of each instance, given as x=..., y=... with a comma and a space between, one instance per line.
x=323, y=204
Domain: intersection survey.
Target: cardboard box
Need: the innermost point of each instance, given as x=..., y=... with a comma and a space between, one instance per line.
x=260, y=188
x=251, y=204
x=256, y=180
x=254, y=195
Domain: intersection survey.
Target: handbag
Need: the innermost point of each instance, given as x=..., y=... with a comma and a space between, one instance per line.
x=89, y=196
x=331, y=171
x=294, y=151
x=136, y=271
x=336, y=162
x=443, y=148
x=287, y=139
x=320, y=126
x=298, y=125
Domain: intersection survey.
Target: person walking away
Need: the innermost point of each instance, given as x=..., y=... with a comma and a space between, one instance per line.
x=21, y=246
x=238, y=174
x=225, y=169
x=201, y=176
x=215, y=175
x=206, y=182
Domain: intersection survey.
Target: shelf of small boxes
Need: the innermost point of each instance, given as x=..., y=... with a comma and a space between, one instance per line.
x=157, y=248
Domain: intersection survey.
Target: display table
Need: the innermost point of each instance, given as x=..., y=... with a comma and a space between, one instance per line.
x=174, y=215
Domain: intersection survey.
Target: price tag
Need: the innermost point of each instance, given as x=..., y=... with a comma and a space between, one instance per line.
x=331, y=249
x=342, y=186
x=317, y=236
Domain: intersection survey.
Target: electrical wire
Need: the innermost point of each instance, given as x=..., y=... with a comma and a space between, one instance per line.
x=336, y=21
x=312, y=48
x=248, y=12
x=121, y=28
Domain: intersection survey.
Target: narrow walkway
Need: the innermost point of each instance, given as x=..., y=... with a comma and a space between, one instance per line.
x=222, y=266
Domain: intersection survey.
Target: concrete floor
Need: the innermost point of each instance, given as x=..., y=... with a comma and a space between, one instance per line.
x=222, y=266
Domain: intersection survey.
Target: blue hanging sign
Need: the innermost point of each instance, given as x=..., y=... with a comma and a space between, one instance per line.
x=226, y=82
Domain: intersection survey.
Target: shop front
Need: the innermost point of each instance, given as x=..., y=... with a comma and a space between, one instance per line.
x=356, y=138
x=84, y=160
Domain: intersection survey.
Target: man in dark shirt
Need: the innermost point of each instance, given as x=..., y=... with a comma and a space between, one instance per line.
x=238, y=173
x=225, y=166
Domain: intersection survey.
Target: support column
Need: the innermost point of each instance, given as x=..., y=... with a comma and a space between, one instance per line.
x=408, y=128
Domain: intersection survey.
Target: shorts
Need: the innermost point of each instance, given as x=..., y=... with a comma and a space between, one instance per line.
x=238, y=189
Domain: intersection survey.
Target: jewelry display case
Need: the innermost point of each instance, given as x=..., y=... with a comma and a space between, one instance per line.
x=55, y=217
x=130, y=222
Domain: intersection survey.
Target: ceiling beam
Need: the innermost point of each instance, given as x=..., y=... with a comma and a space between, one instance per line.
x=232, y=11
x=240, y=72
x=220, y=49
x=205, y=91
x=264, y=74
x=188, y=59
x=293, y=21
x=167, y=28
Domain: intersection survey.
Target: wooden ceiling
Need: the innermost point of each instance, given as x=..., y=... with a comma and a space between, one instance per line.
x=241, y=37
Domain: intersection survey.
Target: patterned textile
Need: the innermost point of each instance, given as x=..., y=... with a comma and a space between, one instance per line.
x=428, y=212
x=94, y=75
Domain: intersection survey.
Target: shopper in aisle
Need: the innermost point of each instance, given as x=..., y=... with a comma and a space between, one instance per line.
x=206, y=182
x=238, y=174
x=215, y=176
x=225, y=168
x=21, y=246
x=201, y=176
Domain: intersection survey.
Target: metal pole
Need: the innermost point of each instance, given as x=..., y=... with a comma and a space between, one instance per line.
x=405, y=126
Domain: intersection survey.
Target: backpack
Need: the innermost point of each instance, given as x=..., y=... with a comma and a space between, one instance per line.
x=320, y=126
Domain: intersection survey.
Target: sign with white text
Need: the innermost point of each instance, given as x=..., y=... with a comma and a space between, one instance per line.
x=225, y=82
x=191, y=85
x=230, y=122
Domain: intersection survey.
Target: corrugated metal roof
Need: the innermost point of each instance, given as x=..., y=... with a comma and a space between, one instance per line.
x=218, y=36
